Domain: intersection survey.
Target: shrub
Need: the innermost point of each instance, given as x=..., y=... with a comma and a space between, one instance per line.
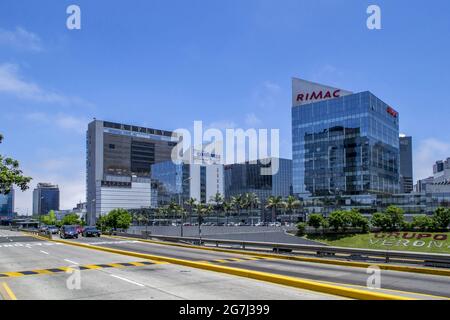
x=301, y=228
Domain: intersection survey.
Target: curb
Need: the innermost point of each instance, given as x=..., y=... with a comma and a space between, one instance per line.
x=263, y=276
x=421, y=270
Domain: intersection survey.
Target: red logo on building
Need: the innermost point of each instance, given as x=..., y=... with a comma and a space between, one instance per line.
x=320, y=95
x=392, y=112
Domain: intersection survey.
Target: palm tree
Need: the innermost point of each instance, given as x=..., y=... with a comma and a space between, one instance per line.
x=183, y=215
x=274, y=202
x=218, y=200
x=226, y=206
x=251, y=201
x=202, y=210
x=237, y=202
x=173, y=208
x=191, y=203
x=161, y=212
x=291, y=204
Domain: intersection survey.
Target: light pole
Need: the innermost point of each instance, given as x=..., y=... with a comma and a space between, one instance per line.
x=92, y=213
x=181, y=205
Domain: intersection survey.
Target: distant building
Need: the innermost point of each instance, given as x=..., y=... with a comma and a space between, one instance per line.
x=247, y=177
x=200, y=178
x=7, y=205
x=441, y=171
x=406, y=165
x=118, y=165
x=45, y=198
x=422, y=185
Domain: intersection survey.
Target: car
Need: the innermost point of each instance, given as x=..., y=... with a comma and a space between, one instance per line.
x=43, y=228
x=79, y=229
x=52, y=230
x=91, y=232
x=68, y=232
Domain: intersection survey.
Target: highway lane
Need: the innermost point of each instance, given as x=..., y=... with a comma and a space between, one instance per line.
x=390, y=280
x=116, y=276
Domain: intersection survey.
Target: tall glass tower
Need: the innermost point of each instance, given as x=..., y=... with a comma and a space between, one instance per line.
x=343, y=143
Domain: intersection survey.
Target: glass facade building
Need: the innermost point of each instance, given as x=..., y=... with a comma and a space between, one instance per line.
x=345, y=146
x=45, y=198
x=170, y=183
x=246, y=177
x=7, y=205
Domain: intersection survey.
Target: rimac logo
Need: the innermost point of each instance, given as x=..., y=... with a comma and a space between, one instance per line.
x=304, y=92
x=318, y=95
x=392, y=112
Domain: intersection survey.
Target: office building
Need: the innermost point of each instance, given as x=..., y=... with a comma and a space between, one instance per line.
x=406, y=165
x=7, y=205
x=200, y=177
x=441, y=171
x=118, y=165
x=45, y=198
x=247, y=177
x=343, y=143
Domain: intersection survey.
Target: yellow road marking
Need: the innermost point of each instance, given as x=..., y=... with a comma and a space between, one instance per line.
x=8, y=290
x=397, y=268
x=13, y=274
x=256, y=275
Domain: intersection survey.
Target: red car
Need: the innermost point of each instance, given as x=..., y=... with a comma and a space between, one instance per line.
x=79, y=229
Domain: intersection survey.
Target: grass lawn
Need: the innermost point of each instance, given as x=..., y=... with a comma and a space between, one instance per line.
x=405, y=241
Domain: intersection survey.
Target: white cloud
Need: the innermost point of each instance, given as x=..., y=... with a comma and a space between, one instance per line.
x=268, y=96
x=21, y=39
x=12, y=83
x=252, y=120
x=61, y=120
x=67, y=172
x=426, y=154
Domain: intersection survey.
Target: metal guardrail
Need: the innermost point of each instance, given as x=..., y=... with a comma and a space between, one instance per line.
x=431, y=259
x=37, y=233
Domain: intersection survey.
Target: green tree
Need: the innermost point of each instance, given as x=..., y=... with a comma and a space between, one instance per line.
x=238, y=203
x=70, y=219
x=315, y=220
x=49, y=219
x=191, y=203
x=441, y=218
x=301, y=229
x=274, y=203
x=227, y=207
x=102, y=224
x=395, y=218
x=118, y=219
x=11, y=175
x=218, y=201
x=291, y=204
x=339, y=220
x=423, y=223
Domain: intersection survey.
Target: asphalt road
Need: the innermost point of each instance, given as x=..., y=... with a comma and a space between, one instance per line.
x=244, y=233
x=418, y=284
x=30, y=269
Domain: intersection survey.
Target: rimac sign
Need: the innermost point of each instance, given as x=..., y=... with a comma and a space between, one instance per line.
x=304, y=92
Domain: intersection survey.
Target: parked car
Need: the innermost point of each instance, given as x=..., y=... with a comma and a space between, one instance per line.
x=91, y=232
x=79, y=229
x=52, y=230
x=68, y=232
x=43, y=228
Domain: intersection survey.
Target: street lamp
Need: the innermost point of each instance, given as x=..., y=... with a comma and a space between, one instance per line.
x=181, y=205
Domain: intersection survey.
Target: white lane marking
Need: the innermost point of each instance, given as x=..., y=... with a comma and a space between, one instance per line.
x=127, y=280
x=70, y=261
x=44, y=252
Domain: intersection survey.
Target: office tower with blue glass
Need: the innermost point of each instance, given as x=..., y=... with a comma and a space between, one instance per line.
x=45, y=198
x=343, y=143
x=242, y=178
x=7, y=205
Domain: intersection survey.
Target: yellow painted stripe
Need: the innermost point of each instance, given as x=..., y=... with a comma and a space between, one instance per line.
x=221, y=261
x=421, y=270
x=116, y=265
x=137, y=264
x=13, y=274
x=43, y=271
x=8, y=290
x=92, y=266
x=263, y=276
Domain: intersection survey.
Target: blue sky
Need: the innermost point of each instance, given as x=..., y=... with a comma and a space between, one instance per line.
x=228, y=63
